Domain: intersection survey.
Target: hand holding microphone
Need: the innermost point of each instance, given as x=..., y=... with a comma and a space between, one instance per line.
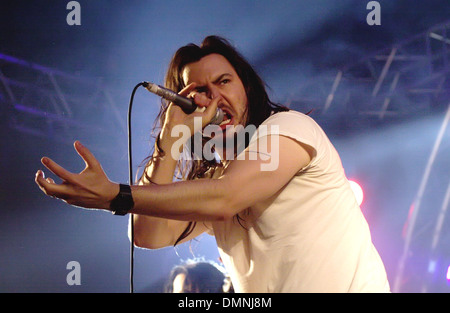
x=187, y=105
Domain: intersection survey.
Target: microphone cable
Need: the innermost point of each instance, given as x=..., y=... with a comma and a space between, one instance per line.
x=130, y=174
x=217, y=118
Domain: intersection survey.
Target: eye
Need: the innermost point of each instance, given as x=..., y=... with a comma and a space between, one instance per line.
x=225, y=81
x=201, y=89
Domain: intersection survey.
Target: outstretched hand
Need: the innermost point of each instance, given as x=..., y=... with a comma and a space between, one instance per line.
x=91, y=188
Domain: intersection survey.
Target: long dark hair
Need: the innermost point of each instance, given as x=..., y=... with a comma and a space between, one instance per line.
x=200, y=277
x=259, y=107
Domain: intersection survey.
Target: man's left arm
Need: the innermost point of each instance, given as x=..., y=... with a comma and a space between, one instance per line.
x=246, y=181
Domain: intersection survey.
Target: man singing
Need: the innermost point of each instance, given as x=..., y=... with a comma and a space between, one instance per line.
x=293, y=227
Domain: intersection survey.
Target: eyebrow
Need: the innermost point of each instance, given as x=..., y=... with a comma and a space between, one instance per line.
x=217, y=80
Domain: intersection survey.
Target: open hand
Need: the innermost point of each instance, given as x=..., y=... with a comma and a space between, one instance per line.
x=91, y=188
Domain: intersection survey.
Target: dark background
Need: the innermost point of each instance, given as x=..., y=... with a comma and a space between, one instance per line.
x=297, y=46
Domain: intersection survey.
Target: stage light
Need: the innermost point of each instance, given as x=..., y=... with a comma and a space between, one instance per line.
x=448, y=274
x=357, y=190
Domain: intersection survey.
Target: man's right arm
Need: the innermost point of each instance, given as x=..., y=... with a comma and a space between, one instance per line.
x=153, y=232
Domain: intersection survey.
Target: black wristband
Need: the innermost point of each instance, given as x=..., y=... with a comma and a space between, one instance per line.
x=123, y=202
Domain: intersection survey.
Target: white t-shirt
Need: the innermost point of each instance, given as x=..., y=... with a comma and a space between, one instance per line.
x=309, y=237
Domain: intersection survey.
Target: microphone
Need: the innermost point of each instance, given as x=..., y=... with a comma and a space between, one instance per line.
x=187, y=105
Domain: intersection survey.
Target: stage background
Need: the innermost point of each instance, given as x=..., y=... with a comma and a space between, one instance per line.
x=379, y=91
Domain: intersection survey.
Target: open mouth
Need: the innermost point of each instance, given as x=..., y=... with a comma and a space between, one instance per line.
x=227, y=120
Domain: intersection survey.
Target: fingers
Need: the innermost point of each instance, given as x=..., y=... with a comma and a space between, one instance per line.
x=41, y=181
x=200, y=99
x=56, y=169
x=76, y=189
x=48, y=186
x=187, y=90
x=64, y=174
x=206, y=107
x=211, y=110
x=86, y=155
x=176, y=111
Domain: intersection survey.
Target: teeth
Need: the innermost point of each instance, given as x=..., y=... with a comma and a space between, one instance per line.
x=225, y=122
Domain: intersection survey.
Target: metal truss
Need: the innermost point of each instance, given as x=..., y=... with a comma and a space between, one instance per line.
x=49, y=103
x=405, y=80
x=412, y=232
x=408, y=78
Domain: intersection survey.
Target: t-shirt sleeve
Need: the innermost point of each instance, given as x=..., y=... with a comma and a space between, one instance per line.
x=294, y=125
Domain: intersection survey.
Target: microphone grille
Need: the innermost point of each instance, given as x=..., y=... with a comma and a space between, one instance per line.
x=218, y=118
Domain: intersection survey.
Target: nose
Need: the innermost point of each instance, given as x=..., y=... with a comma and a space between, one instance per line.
x=206, y=94
x=213, y=91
